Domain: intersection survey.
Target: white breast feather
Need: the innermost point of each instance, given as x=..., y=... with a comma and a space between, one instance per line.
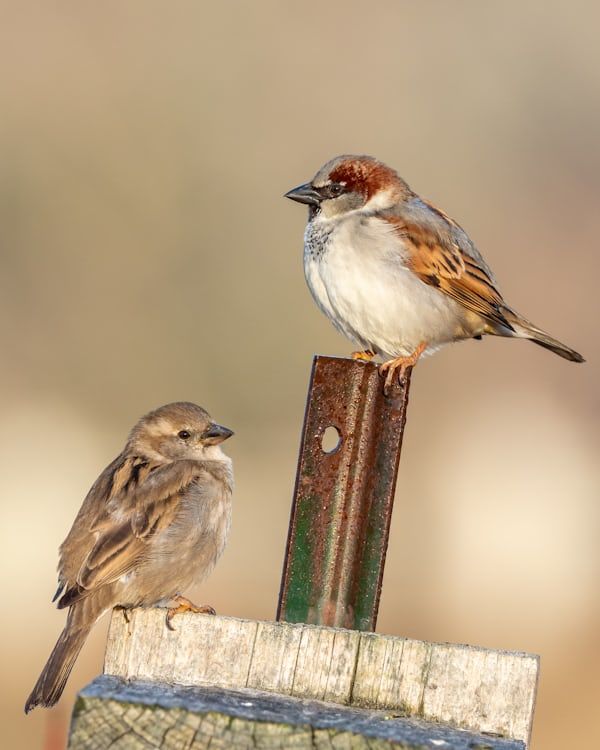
x=356, y=273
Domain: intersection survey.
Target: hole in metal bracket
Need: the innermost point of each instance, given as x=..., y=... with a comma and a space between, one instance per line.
x=331, y=439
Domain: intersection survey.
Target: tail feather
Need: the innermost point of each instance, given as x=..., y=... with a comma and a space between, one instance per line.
x=51, y=682
x=524, y=329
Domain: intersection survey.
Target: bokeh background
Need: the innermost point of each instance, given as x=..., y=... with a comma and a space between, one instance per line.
x=148, y=256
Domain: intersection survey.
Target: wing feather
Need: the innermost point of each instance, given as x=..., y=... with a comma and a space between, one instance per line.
x=133, y=500
x=441, y=254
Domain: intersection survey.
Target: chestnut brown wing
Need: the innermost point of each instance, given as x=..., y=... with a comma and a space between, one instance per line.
x=441, y=255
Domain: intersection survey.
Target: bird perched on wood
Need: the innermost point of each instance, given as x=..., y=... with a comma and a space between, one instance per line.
x=396, y=275
x=154, y=522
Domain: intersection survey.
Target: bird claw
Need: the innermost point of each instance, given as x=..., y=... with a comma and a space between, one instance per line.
x=185, y=605
x=402, y=364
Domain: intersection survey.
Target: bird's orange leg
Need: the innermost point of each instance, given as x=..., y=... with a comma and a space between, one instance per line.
x=185, y=605
x=400, y=363
x=365, y=356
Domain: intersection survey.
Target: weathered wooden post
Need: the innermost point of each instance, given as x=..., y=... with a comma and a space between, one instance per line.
x=305, y=681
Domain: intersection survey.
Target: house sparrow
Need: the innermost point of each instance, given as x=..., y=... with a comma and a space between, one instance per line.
x=395, y=274
x=154, y=522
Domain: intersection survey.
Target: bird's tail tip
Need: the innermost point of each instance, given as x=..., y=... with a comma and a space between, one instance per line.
x=36, y=699
x=52, y=681
x=43, y=694
x=524, y=329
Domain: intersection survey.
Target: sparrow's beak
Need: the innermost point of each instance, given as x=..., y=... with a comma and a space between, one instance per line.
x=304, y=194
x=215, y=434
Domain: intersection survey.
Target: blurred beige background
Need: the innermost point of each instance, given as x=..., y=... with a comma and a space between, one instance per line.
x=148, y=256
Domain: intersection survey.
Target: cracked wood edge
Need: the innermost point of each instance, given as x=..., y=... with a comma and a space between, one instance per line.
x=111, y=713
x=103, y=724
x=473, y=688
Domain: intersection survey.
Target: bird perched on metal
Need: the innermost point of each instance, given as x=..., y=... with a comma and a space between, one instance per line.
x=396, y=275
x=154, y=522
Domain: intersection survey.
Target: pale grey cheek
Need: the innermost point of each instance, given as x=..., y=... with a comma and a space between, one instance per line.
x=335, y=207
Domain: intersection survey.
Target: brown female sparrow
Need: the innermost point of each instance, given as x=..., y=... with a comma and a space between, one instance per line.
x=154, y=522
x=396, y=275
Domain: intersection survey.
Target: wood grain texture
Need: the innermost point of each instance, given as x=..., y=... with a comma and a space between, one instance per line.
x=111, y=713
x=472, y=688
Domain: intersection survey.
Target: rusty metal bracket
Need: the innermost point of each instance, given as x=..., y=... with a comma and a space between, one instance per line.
x=343, y=498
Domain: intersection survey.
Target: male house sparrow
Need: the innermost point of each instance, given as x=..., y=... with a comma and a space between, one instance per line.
x=154, y=522
x=396, y=275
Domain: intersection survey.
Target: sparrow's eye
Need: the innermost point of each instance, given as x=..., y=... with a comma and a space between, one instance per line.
x=184, y=435
x=332, y=190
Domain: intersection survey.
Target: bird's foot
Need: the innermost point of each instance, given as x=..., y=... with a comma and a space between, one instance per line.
x=185, y=605
x=364, y=356
x=400, y=363
x=125, y=612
